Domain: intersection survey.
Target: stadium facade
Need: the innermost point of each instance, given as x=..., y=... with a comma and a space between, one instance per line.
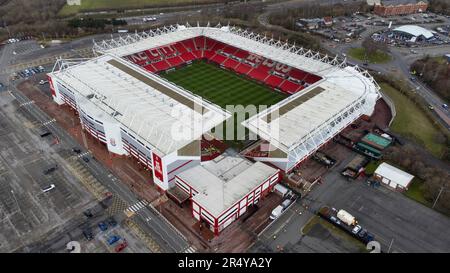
x=123, y=103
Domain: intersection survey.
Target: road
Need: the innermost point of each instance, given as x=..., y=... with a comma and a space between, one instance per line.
x=168, y=238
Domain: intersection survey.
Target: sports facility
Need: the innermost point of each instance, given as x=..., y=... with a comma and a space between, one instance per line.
x=159, y=95
x=222, y=87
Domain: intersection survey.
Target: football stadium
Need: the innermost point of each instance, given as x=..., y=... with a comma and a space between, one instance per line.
x=161, y=95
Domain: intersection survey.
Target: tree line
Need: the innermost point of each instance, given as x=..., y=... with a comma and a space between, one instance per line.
x=288, y=17
x=440, y=6
x=435, y=72
x=434, y=176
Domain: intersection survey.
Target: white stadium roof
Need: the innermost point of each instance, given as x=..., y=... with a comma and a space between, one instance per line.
x=224, y=181
x=303, y=117
x=415, y=31
x=144, y=103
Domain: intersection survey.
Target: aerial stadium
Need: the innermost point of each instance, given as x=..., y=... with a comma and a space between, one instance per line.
x=159, y=95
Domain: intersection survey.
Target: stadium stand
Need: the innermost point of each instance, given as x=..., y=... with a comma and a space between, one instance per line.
x=276, y=75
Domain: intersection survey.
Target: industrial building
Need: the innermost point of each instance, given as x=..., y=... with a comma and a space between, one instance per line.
x=122, y=102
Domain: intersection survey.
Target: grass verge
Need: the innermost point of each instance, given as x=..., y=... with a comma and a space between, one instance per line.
x=359, y=53
x=410, y=121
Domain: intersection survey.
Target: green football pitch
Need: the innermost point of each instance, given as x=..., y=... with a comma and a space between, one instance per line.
x=224, y=87
x=221, y=86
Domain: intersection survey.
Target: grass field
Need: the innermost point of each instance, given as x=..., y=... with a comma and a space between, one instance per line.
x=415, y=192
x=410, y=121
x=97, y=5
x=223, y=88
x=359, y=54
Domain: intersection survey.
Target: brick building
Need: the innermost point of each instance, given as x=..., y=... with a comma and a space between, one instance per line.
x=399, y=7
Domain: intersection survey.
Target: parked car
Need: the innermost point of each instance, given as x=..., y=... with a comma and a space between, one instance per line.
x=356, y=229
x=88, y=213
x=85, y=159
x=113, y=239
x=121, y=246
x=111, y=222
x=50, y=170
x=88, y=234
x=76, y=150
x=102, y=226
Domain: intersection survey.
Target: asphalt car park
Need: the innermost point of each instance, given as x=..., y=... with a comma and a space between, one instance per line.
x=398, y=223
x=34, y=216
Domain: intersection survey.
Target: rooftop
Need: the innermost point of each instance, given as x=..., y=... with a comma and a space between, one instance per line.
x=225, y=180
x=392, y=173
x=415, y=31
x=142, y=102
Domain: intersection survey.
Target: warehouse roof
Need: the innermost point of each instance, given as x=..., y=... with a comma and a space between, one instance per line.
x=394, y=174
x=142, y=102
x=415, y=31
x=224, y=181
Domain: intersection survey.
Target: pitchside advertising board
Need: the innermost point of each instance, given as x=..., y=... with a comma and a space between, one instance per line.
x=157, y=167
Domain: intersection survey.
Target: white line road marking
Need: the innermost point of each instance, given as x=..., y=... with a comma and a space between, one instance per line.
x=48, y=122
x=138, y=206
x=191, y=249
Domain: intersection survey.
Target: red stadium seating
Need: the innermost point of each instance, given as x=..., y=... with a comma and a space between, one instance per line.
x=167, y=51
x=218, y=46
x=258, y=74
x=153, y=55
x=150, y=68
x=198, y=54
x=267, y=71
x=297, y=74
x=289, y=87
x=176, y=61
x=230, y=63
x=199, y=42
x=229, y=49
x=180, y=48
x=273, y=80
x=243, y=68
x=137, y=59
x=188, y=56
x=312, y=78
x=160, y=66
x=209, y=43
x=189, y=44
x=241, y=54
x=208, y=54
x=218, y=58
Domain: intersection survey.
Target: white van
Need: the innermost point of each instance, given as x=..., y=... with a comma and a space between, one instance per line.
x=276, y=212
x=281, y=190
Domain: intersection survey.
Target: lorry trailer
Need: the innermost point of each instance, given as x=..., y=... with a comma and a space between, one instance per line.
x=347, y=222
